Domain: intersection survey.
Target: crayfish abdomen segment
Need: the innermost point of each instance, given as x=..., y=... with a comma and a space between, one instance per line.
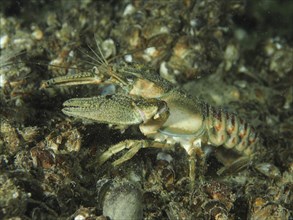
x=232, y=132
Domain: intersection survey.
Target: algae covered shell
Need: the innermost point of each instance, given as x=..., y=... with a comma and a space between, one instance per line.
x=120, y=199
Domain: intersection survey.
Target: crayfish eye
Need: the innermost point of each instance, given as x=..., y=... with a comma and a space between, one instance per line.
x=95, y=70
